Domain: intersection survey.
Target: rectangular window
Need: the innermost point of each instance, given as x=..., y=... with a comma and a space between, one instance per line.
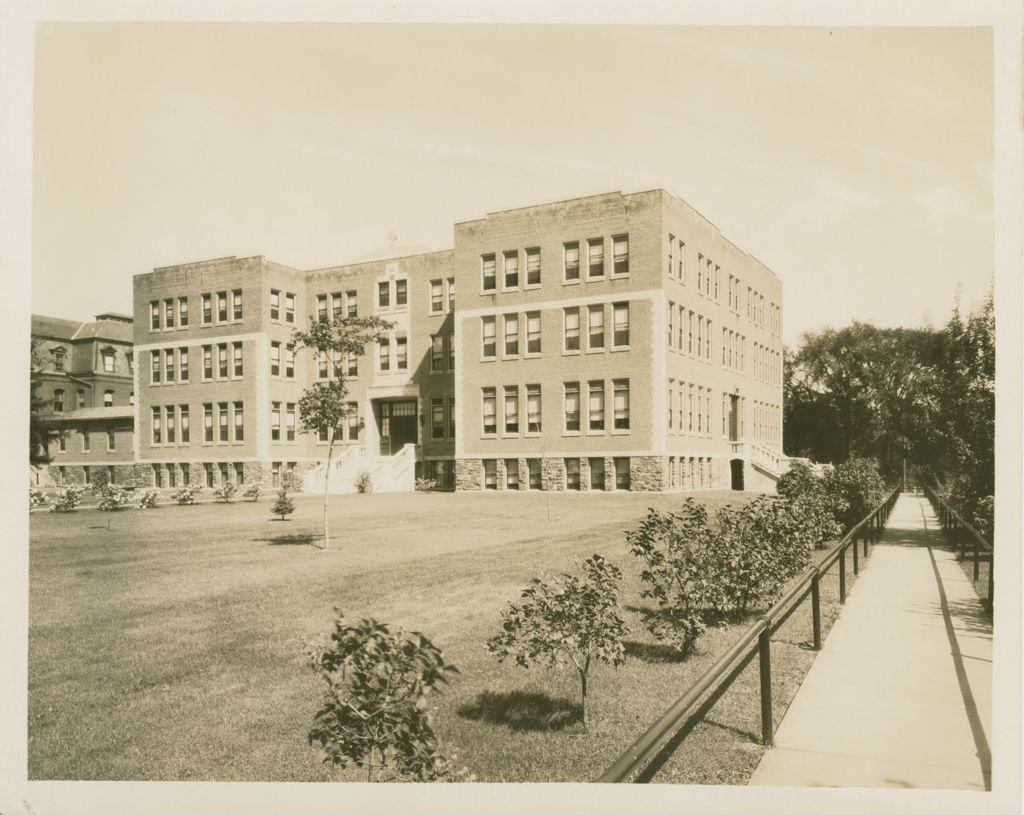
x=511, y=335
x=621, y=404
x=488, y=273
x=595, y=405
x=353, y=421
x=337, y=306
x=595, y=257
x=437, y=352
x=384, y=355
x=679, y=261
x=275, y=474
x=352, y=303
x=236, y=353
x=671, y=254
x=112, y=439
x=353, y=365
x=62, y=443
x=700, y=272
x=572, y=473
x=533, y=414
x=222, y=360
x=490, y=411
x=183, y=364
x=669, y=322
x=289, y=307
x=171, y=434
x=620, y=325
x=512, y=474
x=533, y=465
x=289, y=361
x=154, y=367
x=490, y=474
x=321, y=308
x=383, y=294
x=533, y=266
x=596, y=466
x=511, y=408
x=239, y=422
x=275, y=360
x=620, y=255
x=275, y=421
x=671, y=401
x=236, y=304
x=275, y=304
x=169, y=313
x=572, y=329
x=86, y=441
x=223, y=468
x=240, y=473
x=183, y=413
x=208, y=470
x=207, y=421
x=571, y=261
x=595, y=328
x=222, y=306
x=222, y=420
x=689, y=333
x=707, y=340
x=402, y=353
x=437, y=418
x=401, y=292
x=572, y=406
x=533, y=332
x=700, y=336
x=436, y=297
x=451, y=294
x=289, y=424
x=322, y=371
x=154, y=315
x=168, y=364
x=451, y=418
x=207, y=309
x=622, y=473
x=156, y=425
x=511, y=269
x=488, y=330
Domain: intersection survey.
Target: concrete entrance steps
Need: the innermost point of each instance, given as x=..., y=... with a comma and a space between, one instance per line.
x=901, y=693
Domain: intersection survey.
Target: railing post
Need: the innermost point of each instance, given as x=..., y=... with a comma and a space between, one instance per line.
x=856, y=564
x=816, y=610
x=976, y=553
x=842, y=575
x=765, y=658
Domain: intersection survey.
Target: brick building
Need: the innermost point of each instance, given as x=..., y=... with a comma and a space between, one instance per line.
x=609, y=342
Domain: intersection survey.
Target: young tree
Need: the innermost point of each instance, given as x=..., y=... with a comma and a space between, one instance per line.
x=566, y=619
x=322, y=406
x=283, y=505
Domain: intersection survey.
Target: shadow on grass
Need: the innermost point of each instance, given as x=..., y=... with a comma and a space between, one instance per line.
x=652, y=652
x=522, y=711
x=292, y=540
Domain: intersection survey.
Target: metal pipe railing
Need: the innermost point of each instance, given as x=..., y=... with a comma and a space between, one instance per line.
x=959, y=531
x=755, y=640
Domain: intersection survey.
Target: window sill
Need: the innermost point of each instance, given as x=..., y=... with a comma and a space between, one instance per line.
x=596, y=350
x=532, y=355
x=596, y=432
x=488, y=359
x=620, y=431
x=507, y=357
x=571, y=353
x=570, y=282
x=570, y=433
x=616, y=348
x=510, y=435
x=510, y=289
x=531, y=287
x=488, y=292
x=622, y=276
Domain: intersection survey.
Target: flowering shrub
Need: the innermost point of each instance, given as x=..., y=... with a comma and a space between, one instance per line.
x=187, y=494
x=37, y=498
x=252, y=491
x=225, y=492
x=819, y=509
x=859, y=484
x=364, y=482
x=148, y=499
x=111, y=498
x=425, y=484
x=67, y=500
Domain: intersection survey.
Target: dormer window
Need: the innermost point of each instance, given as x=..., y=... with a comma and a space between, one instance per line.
x=58, y=359
x=108, y=361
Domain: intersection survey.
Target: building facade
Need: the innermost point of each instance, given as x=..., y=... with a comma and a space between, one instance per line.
x=614, y=342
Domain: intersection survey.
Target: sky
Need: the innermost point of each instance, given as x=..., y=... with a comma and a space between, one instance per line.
x=855, y=162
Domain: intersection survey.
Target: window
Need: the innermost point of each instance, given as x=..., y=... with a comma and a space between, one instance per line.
x=671, y=250
x=451, y=352
x=321, y=308
x=222, y=307
x=533, y=332
x=490, y=411
x=436, y=297
x=620, y=255
x=533, y=465
x=622, y=473
x=155, y=414
x=353, y=421
x=154, y=370
x=108, y=362
x=680, y=264
x=207, y=309
x=511, y=335
x=511, y=270
x=533, y=266
x=437, y=418
x=108, y=398
x=290, y=421
x=130, y=357
x=533, y=414
x=572, y=407
x=275, y=421
x=289, y=307
x=595, y=257
x=85, y=441
x=718, y=280
x=111, y=439
x=207, y=421
x=668, y=322
x=571, y=262
x=621, y=404
x=437, y=352
x=207, y=362
x=154, y=315
x=182, y=364
x=620, y=327
x=239, y=422
x=353, y=365
x=58, y=359
x=689, y=332
x=223, y=468
x=488, y=273
x=451, y=418
x=401, y=292
x=222, y=420
x=700, y=272
x=512, y=474
x=707, y=341
x=352, y=303
x=62, y=443
x=183, y=413
x=451, y=294
x=596, y=466
x=170, y=424
x=80, y=399
x=572, y=329
x=236, y=304
x=511, y=408
x=572, y=473
x=168, y=364
x=488, y=329
x=183, y=312
x=275, y=304
x=671, y=401
x=275, y=360
x=289, y=361
x=490, y=474
x=402, y=353
x=240, y=473
x=169, y=313
x=275, y=474
x=595, y=324
x=700, y=336
x=208, y=469
x=383, y=294
x=337, y=306
x=185, y=476
x=384, y=354
x=222, y=360
x=595, y=405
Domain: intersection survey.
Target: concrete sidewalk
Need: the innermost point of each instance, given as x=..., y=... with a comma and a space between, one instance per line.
x=901, y=693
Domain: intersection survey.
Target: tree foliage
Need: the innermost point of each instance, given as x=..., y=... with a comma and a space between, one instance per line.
x=283, y=506
x=38, y=433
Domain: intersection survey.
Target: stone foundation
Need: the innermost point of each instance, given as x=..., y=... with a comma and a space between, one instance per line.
x=648, y=473
x=469, y=474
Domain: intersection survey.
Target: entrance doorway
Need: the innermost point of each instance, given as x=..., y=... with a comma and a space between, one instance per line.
x=397, y=421
x=736, y=466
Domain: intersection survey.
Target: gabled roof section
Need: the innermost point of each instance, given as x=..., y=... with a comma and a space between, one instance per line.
x=54, y=327
x=113, y=330
x=94, y=414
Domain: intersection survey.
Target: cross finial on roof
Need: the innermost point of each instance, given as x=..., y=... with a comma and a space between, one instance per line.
x=392, y=236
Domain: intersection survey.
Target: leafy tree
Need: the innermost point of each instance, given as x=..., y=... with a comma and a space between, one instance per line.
x=323, y=406
x=566, y=619
x=374, y=715
x=187, y=494
x=857, y=484
x=252, y=491
x=283, y=505
x=225, y=493
x=38, y=433
x=68, y=499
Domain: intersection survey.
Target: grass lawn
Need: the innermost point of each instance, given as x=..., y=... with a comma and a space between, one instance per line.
x=171, y=646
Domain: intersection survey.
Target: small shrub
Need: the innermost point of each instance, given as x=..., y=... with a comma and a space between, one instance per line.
x=187, y=494
x=375, y=715
x=252, y=491
x=812, y=503
x=225, y=492
x=68, y=499
x=859, y=484
x=566, y=619
x=37, y=498
x=283, y=506
x=425, y=484
x=112, y=498
x=364, y=482
x=148, y=499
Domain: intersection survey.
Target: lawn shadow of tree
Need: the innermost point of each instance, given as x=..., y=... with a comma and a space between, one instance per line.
x=652, y=651
x=521, y=711
x=291, y=540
